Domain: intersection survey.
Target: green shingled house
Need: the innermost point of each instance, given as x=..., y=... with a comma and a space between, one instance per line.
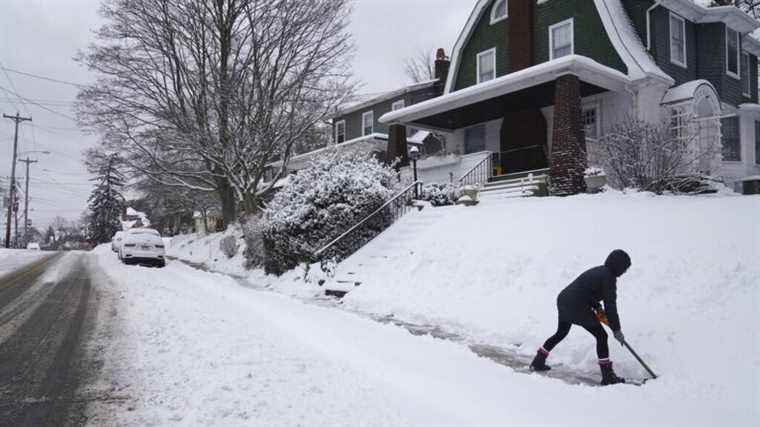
x=534, y=81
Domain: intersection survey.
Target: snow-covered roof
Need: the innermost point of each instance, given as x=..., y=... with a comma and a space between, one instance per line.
x=375, y=137
x=627, y=43
x=419, y=137
x=464, y=36
x=365, y=102
x=585, y=68
x=623, y=35
x=751, y=44
x=698, y=11
x=616, y=23
x=685, y=91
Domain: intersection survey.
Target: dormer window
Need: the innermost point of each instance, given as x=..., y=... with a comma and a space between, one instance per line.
x=499, y=12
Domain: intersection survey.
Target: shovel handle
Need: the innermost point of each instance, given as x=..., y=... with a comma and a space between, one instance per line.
x=654, y=376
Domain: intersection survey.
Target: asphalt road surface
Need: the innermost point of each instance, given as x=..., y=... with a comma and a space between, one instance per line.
x=43, y=320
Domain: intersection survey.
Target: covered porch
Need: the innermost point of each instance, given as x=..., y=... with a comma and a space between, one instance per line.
x=508, y=116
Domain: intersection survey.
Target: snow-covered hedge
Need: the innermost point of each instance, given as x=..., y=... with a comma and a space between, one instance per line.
x=320, y=203
x=441, y=194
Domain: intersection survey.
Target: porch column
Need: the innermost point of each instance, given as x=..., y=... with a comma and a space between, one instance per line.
x=397, y=146
x=568, y=156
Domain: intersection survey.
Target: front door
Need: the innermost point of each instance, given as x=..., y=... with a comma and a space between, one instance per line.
x=523, y=141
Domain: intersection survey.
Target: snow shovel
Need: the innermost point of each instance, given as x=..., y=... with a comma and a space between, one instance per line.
x=603, y=318
x=625, y=344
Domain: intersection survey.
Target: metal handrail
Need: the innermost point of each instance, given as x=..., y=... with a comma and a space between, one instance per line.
x=478, y=169
x=527, y=147
x=379, y=210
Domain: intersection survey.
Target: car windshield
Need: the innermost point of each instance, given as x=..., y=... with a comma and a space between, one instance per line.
x=145, y=231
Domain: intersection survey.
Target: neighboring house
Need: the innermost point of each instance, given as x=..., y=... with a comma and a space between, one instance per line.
x=208, y=221
x=134, y=219
x=358, y=122
x=356, y=128
x=534, y=81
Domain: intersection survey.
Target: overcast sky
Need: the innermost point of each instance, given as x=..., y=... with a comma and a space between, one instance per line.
x=42, y=36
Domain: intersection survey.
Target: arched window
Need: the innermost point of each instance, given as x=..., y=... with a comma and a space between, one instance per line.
x=499, y=11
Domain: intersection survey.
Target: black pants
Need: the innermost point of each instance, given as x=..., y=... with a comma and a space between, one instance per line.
x=585, y=319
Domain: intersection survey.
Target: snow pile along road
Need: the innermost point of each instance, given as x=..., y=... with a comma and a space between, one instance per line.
x=205, y=250
x=13, y=259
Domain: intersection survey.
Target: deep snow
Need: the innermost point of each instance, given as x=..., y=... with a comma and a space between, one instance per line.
x=492, y=272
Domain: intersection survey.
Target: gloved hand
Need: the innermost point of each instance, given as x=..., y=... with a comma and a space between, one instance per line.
x=619, y=336
x=602, y=316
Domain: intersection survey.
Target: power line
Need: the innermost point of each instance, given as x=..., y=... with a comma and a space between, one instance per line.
x=50, y=110
x=7, y=77
x=50, y=79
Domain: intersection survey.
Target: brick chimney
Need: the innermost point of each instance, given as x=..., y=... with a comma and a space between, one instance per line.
x=442, y=65
x=520, y=42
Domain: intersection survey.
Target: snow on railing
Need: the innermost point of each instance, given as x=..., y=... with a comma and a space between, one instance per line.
x=479, y=174
x=389, y=213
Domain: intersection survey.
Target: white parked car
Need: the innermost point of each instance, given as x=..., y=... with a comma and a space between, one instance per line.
x=116, y=241
x=33, y=246
x=143, y=248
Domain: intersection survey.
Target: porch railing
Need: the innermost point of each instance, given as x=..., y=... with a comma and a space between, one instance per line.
x=479, y=174
x=373, y=224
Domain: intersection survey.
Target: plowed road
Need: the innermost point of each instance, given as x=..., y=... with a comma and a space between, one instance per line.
x=43, y=319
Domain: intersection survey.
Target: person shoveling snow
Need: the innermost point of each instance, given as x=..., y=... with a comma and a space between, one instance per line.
x=579, y=304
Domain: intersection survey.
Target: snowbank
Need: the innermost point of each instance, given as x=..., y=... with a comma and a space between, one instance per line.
x=205, y=250
x=13, y=259
x=689, y=303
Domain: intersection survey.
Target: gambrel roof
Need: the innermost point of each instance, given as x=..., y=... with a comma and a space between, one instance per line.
x=624, y=37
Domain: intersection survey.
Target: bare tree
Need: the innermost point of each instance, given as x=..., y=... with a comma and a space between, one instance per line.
x=420, y=67
x=203, y=94
x=750, y=6
x=655, y=157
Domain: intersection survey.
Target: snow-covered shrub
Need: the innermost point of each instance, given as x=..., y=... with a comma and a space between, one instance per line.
x=440, y=194
x=320, y=203
x=654, y=157
x=229, y=246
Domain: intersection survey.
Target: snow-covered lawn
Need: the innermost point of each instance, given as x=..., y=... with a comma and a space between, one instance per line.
x=13, y=259
x=690, y=305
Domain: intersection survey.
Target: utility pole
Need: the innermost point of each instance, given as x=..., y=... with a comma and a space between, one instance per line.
x=17, y=119
x=26, y=195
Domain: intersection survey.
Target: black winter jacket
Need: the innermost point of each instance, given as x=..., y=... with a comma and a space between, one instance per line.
x=595, y=285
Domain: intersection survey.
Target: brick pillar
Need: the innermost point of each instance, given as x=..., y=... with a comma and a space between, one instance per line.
x=568, y=156
x=397, y=146
x=520, y=34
